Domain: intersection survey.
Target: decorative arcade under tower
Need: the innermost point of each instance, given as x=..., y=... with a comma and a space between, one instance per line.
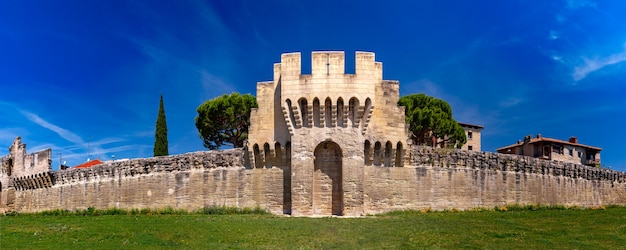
x=322, y=139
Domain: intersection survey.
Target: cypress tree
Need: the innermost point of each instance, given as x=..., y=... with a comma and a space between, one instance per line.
x=160, y=140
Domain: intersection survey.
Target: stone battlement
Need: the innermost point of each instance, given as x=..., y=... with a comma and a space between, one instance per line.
x=456, y=158
x=432, y=178
x=202, y=160
x=328, y=72
x=327, y=63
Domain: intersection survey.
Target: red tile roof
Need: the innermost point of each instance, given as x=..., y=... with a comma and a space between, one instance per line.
x=544, y=139
x=89, y=164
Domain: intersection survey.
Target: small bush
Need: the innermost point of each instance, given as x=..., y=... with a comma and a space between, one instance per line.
x=516, y=207
x=481, y=209
x=115, y=211
x=224, y=210
x=145, y=211
x=167, y=210
x=135, y=211
x=230, y=210
x=501, y=209
x=534, y=207
x=57, y=212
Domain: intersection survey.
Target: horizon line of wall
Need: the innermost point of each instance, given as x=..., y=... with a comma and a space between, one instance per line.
x=417, y=156
x=434, y=178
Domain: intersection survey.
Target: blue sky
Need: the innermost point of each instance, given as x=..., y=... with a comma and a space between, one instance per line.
x=75, y=74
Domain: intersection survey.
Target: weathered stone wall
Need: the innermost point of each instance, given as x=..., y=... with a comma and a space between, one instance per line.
x=433, y=178
x=19, y=168
x=458, y=179
x=189, y=181
x=23, y=164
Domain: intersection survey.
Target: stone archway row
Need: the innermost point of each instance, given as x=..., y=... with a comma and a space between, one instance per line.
x=384, y=155
x=305, y=114
x=267, y=156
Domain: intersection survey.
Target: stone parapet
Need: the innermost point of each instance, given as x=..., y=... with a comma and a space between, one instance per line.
x=456, y=158
x=233, y=158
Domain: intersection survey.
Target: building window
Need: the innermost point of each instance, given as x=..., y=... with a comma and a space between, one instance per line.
x=469, y=135
x=546, y=151
x=570, y=151
x=580, y=154
x=470, y=148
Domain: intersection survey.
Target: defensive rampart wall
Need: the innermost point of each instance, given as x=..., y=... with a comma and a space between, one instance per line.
x=431, y=178
x=188, y=181
x=458, y=179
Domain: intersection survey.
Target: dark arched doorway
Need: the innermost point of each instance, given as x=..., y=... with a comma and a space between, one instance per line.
x=327, y=180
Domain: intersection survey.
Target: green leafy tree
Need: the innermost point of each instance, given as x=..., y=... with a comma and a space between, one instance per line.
x=160, y=136
x=224, y=120
x=430, y=121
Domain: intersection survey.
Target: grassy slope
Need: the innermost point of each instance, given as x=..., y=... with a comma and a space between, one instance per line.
x=544, y=229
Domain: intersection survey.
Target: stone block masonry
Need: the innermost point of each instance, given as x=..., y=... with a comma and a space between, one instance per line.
x=459, y=179
x=188, y=181
x=432, y=178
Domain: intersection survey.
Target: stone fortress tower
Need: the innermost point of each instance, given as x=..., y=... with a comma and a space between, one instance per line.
x=21, y=169
x=322, y=129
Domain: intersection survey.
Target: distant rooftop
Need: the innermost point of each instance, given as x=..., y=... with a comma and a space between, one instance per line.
x=89, y=164
x=573, y=141
x=467, y=125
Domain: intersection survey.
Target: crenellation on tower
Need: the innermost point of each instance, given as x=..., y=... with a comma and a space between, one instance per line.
x=290, y=66
x=277, y=69
x=327, y=64
x=365, y=63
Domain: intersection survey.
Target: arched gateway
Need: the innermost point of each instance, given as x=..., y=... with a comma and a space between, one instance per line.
x=327, y=180
x=340, y=126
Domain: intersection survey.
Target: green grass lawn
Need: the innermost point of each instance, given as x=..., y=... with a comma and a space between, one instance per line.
x=526, y=229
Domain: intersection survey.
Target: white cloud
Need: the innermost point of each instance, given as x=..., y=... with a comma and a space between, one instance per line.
x=512, y=101
x=144, y=133
x=214, y=84
x=9, y=134
x=101, y=151
x=560, y=18
x=64, y=133
x=554, y=35
x=428, y=87
x=41, y=147
x=591, y=65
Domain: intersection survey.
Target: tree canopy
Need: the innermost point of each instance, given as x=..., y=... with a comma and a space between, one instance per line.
x=224, y=120
x=430, y=121
x=160, y=136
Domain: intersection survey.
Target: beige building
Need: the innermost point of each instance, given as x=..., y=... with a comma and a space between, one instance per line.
x=321, y=128
x=472, y=132
x=553, y=149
